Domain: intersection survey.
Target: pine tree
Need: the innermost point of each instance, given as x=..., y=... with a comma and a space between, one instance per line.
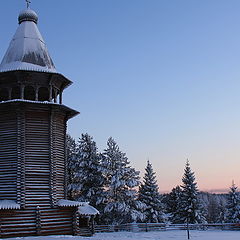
x=174, y=205
x=191, y=209
x=88, y=180
x=122, y=181
x=149, y=195
x=233, y=205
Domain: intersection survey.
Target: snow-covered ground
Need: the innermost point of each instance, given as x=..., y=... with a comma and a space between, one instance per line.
x=164, y=235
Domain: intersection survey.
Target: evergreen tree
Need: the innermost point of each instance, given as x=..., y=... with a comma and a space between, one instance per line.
x=191, y=209
x=88, y=180
x=174, y=205
x=71, y=150
x=213, y=209
x=233, y=205
x=149, y=195
x=222, y=216
x=122, y=181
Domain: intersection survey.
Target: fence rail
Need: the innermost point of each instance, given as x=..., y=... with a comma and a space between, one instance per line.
x=145, y=227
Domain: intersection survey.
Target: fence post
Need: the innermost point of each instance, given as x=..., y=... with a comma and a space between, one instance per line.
x=188, y=234
x=146, y=227
x=92, y=225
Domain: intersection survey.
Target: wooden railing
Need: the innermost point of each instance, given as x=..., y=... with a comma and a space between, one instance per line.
x=145, y=227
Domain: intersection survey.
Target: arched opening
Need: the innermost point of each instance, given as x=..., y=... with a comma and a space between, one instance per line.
x=3, y=94
x=43, y=94
x=29, y=93
x=16, y=93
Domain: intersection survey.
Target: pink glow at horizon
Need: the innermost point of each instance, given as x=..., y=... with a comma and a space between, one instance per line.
x=215, y=179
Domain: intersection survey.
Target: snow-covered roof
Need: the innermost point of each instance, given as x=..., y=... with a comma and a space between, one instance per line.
x=9, y=204
x=69, y=203
x=27, y=50
x=87, y=210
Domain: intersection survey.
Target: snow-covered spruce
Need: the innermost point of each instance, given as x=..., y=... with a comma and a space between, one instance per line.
x=87, y=180
x=121, y=184
x=233, y=205
x=190, y=206
x=149, y=195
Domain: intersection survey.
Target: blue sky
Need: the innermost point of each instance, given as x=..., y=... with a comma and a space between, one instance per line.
x=160, y=76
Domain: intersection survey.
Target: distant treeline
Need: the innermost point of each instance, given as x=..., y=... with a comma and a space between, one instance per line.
x=108, y=182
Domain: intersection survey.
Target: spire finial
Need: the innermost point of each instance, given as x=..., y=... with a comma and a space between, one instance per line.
x=28, y=3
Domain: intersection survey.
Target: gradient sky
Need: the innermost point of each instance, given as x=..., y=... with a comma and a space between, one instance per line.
x=160, y=76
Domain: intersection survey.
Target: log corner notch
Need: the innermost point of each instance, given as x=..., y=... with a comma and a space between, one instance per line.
x=76, y=228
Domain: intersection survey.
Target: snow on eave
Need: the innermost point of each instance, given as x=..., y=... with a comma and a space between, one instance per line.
x=47, y=71
x=69, y=203
x=71, y=111
x=29, y=68
x=8, y=204
x=88, y=210
x=29, y=101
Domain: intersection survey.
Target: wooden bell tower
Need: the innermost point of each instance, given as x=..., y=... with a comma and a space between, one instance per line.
x=32, y=138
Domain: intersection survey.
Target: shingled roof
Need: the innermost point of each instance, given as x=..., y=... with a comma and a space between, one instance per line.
x=27, y=50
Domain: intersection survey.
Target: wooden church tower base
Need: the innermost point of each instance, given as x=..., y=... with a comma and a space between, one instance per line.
x=33, y=120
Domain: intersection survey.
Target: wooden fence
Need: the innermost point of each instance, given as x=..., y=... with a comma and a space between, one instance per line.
x=145, y=227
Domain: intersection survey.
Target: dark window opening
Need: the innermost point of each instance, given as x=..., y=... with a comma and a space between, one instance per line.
x=29, y=93
x=16, y=93
x=3, y=94
x=43, y=94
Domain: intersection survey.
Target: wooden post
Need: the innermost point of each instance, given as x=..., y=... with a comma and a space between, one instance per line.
x=60, y=97
x=38, y=221
x=36, y=93
x=22, y=92
x=52, y=161
x=65, y=161
x=55, y=95
x=50, y=93
x=76, y=228
x=188, y=234
x=92, y=225
x=9, y=93
x=21, y=191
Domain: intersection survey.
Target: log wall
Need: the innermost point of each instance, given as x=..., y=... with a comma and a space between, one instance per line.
x=37, y=161
x=58, y=138
x=8, y=156
x=32, y=155
x=32, y=222
x=32, y=169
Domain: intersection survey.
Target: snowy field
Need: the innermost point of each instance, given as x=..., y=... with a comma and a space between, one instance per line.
x=165, y=235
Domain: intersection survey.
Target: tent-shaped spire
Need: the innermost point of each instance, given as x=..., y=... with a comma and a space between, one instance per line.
x=27, y=50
